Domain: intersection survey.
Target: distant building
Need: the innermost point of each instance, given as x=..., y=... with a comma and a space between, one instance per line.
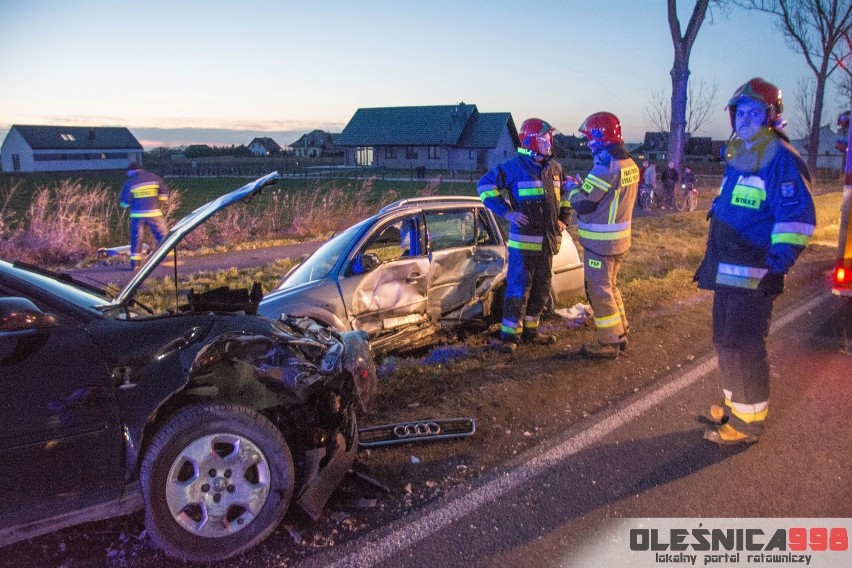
x=316, y=143
x=699, y=148
x=571, y=147
x=452, y=137
x=655, y=147
x=829, y=157
x=68, y=148
x=264, y=147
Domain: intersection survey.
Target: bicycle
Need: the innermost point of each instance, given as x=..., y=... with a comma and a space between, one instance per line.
x=687, y=200
x=647, y=197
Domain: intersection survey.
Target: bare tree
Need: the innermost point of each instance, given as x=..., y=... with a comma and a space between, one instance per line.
x=802, y=104
x=814, y=28
x=843, y=56
x=680, y=74
x=700, y=102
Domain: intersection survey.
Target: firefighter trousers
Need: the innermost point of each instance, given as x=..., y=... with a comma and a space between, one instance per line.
x=601, y=275
x=527, y=291
x=740, y=329
x=157, y=226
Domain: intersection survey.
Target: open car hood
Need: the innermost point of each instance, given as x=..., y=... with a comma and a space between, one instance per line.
x=187, y=224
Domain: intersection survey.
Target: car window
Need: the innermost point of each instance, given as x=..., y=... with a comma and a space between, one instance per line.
x=320, y=264
x=484, y=233
x=393, y=241
x=450, y=229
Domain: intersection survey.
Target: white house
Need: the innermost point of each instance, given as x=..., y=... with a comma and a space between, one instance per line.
x=68, y=148
x=829, y=157
x=264, y=147
x=314, y=144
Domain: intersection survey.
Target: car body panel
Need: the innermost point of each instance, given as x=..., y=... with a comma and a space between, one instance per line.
x=53, y=403
x=417, y=265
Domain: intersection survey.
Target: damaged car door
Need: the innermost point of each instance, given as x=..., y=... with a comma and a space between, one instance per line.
x=384, y=284
x=466, y=258
x=55, y=398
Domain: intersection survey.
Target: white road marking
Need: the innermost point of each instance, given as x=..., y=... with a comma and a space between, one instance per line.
x=372, y=553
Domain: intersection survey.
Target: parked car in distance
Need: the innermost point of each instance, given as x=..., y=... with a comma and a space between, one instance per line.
x=210, y=418
x=416, y=266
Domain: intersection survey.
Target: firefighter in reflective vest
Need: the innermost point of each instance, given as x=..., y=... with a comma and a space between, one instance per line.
x=759, y=224
x=604, y=205
x=143, y=193
x=537, y=214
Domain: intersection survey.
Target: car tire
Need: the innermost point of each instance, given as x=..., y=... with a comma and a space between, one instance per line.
x=216, y=480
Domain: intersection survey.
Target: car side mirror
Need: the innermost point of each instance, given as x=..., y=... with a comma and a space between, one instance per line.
x=20, y=314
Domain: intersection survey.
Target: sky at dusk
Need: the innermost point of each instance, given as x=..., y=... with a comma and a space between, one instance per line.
x=224, y=72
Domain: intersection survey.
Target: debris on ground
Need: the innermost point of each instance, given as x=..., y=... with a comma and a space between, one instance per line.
x=416, y=431
x=577, y=315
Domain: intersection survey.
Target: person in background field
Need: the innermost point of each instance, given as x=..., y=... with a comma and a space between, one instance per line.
x=143, y=193
x=604, y=205
x=649, y=178
x=688, y=177
x=537, y=215
x=760, y=222
x=669, y=180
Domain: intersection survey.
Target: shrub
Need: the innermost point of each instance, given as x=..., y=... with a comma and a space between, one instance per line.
x=63, y=224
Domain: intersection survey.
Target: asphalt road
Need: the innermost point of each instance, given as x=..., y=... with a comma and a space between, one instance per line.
x=575, y=501
x=120, y=274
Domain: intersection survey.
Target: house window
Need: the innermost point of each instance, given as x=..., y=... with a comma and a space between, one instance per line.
x=390, y=152
x=16, y=162
x=364, y=156
x=471, y=154
x=434, y=152
x=67, y=137
x=410, y=153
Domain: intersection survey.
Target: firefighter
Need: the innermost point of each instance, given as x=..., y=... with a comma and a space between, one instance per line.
x=604, y=204
x=537, y=215
x=760, y=222
x=143, y=193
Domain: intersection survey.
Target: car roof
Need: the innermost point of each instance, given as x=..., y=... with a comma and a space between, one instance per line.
x=433, y=200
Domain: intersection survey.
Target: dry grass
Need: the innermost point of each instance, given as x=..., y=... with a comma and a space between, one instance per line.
x=68, y=221
x=63, y=224
x=159, y=293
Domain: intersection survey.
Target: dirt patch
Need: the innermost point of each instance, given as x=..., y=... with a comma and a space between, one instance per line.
x=517, y=402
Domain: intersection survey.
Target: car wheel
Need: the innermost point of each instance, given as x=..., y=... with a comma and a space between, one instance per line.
x=216, y=480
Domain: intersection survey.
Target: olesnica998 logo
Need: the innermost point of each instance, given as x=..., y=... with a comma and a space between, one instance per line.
x=740, y=545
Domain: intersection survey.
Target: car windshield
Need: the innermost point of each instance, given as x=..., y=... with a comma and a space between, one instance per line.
x=78, y=295
x=319, y=265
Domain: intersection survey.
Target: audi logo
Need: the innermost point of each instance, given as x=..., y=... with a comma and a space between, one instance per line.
x=416, y=429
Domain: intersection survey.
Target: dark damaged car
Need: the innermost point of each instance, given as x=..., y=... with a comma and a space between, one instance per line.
x=211, y=418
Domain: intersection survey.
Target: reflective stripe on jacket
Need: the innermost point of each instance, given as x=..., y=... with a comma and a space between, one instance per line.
x=534, y=189
x=143, y=193
x=762, y=218
x=605, y=201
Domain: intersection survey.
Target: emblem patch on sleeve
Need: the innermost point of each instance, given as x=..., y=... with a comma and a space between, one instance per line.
x=788, y=189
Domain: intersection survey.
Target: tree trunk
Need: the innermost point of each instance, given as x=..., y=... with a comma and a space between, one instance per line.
x=677, y=132
x=812, y=146
x=680, y=75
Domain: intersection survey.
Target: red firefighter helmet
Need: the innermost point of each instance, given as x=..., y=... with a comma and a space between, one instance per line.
x=601, y=129
x=536, y=136
x=760, y=91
